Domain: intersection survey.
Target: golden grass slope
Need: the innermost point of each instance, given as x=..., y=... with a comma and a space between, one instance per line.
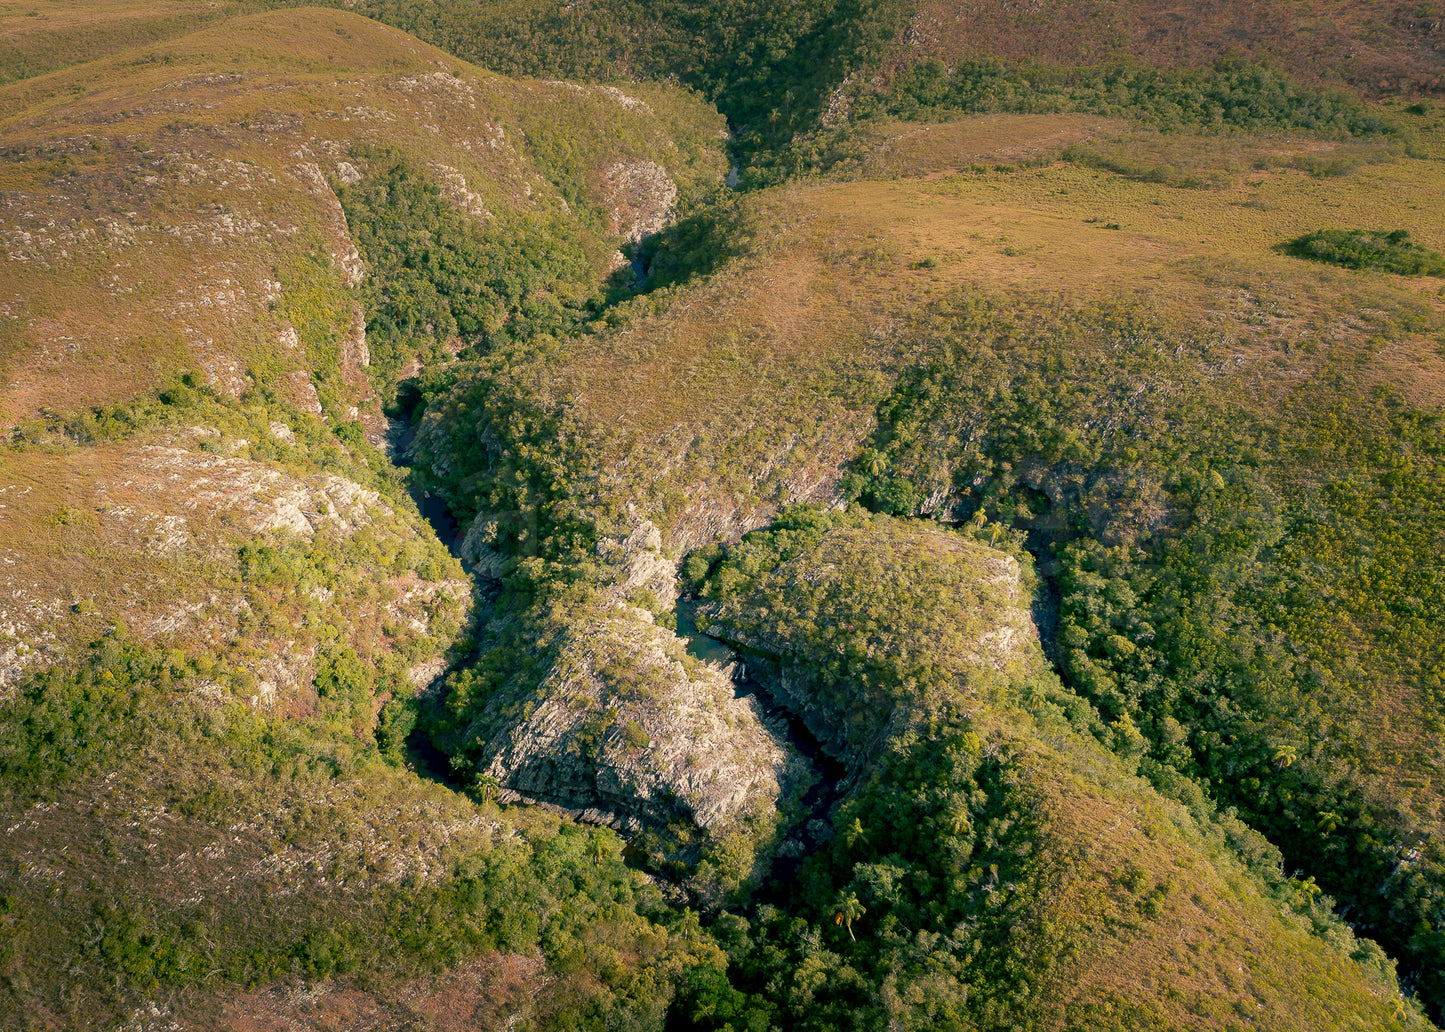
x=47, y=34
x=723, y=402
x=172, y=208
x=1376, y=47
x=752, y=387
x=142, y=535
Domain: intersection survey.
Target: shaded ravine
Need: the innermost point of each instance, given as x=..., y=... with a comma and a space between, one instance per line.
x=424, y=758
x=828, y=775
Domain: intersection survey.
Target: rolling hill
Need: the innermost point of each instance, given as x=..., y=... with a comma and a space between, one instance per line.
x=981, y=572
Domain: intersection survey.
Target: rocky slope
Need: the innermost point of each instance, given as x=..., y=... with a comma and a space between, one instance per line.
x=168, y=216
x=625, y=727
x=168, y=539
x=220, y=609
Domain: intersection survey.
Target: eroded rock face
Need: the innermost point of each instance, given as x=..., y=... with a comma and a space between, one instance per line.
x=628, y=729
x=640, y=198
x=628, y=732
x=264, y=498
x=476, y=547
x=646, y=570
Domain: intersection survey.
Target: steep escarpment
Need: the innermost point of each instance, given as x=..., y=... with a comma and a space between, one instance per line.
x=615, y=722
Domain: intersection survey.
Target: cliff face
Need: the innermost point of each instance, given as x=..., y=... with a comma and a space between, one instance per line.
x=627, y=728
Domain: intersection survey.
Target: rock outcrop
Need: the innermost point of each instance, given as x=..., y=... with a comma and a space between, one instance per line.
x=628, y=729
x=640, y=198
x=148, y=540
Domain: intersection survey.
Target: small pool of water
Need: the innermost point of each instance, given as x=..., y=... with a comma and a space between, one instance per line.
x=699, y=645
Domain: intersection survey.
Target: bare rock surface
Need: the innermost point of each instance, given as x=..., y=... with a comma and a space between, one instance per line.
x=628, y=732
x=629, y=729
x=640, y=198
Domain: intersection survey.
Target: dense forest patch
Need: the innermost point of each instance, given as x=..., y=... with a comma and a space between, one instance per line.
x=441, y=278
x=1200, y=597
x=1380, y=250
x=976, y=768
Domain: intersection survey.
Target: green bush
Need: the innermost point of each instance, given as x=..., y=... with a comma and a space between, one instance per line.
x=1378, y=250
x=439, y=276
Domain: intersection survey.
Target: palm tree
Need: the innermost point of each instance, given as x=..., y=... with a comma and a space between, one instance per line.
x=849, y=910
x=855, y=833
x=488, y=786
x=598, y=850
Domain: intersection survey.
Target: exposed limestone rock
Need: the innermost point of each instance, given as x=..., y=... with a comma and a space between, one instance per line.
x=225, y=374
x=639, y=196
x=426, y=676
x=281, y=673
x=455, y=189
x=477, y=551
x=303, y=392
x=628, y=732
x=161, y=518
x=266, y=499
x=627, y=729
x=355, y=352
x=28, y=630
x=415, y=598
x=629, y=102
x=344, y=254
x=645, y=568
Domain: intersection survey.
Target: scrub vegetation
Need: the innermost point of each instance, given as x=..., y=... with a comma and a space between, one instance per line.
x=1075, y=543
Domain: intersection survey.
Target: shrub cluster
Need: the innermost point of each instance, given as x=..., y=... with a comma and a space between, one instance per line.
x=1379, y=250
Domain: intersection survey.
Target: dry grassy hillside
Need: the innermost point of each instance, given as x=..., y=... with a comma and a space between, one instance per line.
x=219, y=598
x=48, y=34
x=1378, y=48
x=172, y=213
x=244, y=249
x=186, y=191
x=834, y=273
